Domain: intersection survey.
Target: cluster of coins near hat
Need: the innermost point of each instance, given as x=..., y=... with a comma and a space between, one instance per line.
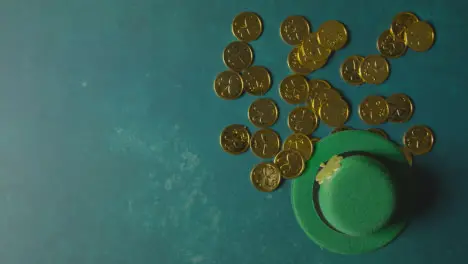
x=317, y=99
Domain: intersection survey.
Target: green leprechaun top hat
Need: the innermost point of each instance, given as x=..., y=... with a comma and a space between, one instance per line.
x=351, y=198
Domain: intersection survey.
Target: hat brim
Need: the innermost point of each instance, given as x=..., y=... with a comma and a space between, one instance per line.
x=302, y=191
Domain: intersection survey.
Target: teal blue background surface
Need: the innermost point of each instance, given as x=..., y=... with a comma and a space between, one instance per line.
x=110, y=127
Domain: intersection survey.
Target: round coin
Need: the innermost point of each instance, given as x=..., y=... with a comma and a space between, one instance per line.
x=229, y=85
x=247, y=26
x=390, y=46
x=374, y=69
x=265, y=143
x=321, y=96
x=332, y=35
x=301, y=143
x=349, y=70
x=257, y=80
x=294, y=89
x=401, y=22
x=263, y=112
x=293, y=29
x=420, y=36
x=374, y=110
x=238, y=56
x=265, y=177
x=311, y=50
x=419, y=139
x=295, y=65
x=334, y=112
x=379, y=132
x=302, y=120
x=401, y=108
x=235, y=139
x=290, y=163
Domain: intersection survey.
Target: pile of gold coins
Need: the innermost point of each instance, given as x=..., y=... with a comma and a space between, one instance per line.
x=318, y=100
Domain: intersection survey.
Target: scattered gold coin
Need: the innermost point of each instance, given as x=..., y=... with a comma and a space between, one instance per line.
x=293, y=29
x=334, y=112
x=401, y=108
x=379, y=132
x=303, y=120
x=265, y=143
x=420, y=36
x=349, y=70
x=294, y=89
x=257, y=80
x=263, y=112
x=301, y=143
x=419, y=139
x=295, y=65
x=391, y=46
x=332, y=34
x=401, y=22
x=229, y=85
x=320, y=96
x=408, y=155
x=247, y=26
x=311, y=50
x=235, y=139
x=318, y=84
x=340, y=129
x=238, y=56
x=374, y=110
x=265, y=177
x=290, y=163
x=374, y=69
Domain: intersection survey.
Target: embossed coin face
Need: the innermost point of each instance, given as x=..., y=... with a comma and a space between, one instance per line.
x=266, y=177
x=390, y=46
x=374, y=69
x=238, y=56
x=301, y=143
x=247, y=26
x=333, y=35
x=401, y=22
x=379, y=132
x=374, y=110
x=321, y=96
x=257, y=80
x=311, y=50
x=265, y=143
x=302, y=120
x=235, y=139
x=293, y=29
x=420, y=36
x=290, y=163
x=229, y=85
x=349, y=70
x=419, y=139
x=295, y=65
x=401, y=108
x=263, y=112
x=294, y=89
x=334, y=112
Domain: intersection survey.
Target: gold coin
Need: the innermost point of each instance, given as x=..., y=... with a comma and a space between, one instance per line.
x=374, y=69
x=290, y=163
x=229, y=85
x=349, y=70
x=295, y=65
x=401, y=22
x=294, y=89
x=263, y=112
x=315, y=83
x=293, y=29
x=321, y=96
x=257, y=80
x=301, y=143
x=340, y=129
x=302, y=120
x=408, y=155
x=266, y=177
x=247, y=26
x=401, y=108
x=419, y=139
x=311, y=50
x=238, y=56
x=315, y=88
x=265, y=143
x=374, y=110
x=333, y=35
x=235, y=139
x=390, y=46
x=420, y=36
x=379, y=132
x=334, y=112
